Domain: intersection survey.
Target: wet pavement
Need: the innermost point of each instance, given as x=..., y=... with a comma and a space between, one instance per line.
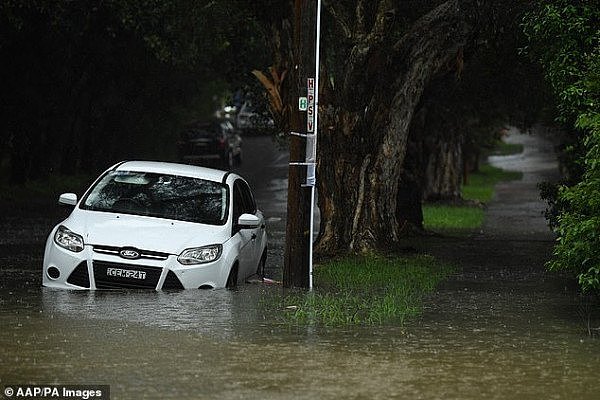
x=501, y=328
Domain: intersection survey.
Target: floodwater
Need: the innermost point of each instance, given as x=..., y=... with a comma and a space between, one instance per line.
x=225, y=344
x=502, y=328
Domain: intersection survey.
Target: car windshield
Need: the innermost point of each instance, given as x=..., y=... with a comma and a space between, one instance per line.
x=157, y=195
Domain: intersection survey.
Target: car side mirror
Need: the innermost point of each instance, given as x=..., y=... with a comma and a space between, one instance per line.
x=68, y=199
x=248, y=221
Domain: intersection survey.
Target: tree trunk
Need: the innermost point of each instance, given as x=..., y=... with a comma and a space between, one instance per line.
x=443, y=168
x=409, y=207
x=362, y=147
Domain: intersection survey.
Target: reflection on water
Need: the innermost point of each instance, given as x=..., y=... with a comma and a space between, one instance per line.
x=225, y=344
x=207, y=312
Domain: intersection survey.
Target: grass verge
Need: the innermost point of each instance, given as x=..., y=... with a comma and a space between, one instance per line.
x=369, y=290
x=446, y=218
x=506, y=149
x=480, y=190
x=480, y=186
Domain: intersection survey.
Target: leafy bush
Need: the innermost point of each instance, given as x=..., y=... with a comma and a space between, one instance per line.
x=564, y=36
x=578, y=225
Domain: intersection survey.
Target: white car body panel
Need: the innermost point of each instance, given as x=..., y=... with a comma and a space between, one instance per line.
x=102, y=230
x=161, y=235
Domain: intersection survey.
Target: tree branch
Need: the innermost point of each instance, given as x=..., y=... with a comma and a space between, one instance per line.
x=384, y=12
x=366, y=44
x=442, y=17
x=340, y=16
x=360, y=17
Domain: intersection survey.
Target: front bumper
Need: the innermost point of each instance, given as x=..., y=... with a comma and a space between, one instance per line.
x=90, y=270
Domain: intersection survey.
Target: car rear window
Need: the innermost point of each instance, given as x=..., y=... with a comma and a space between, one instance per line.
x=157, y=195
x=202, y=131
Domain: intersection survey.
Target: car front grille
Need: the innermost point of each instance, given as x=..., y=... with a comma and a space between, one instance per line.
x=80, y=276
x=116, y=276
x=172, y=282
x=145, y=254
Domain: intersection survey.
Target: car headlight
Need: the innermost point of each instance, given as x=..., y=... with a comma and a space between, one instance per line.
x=68, y=240
x=200, y=255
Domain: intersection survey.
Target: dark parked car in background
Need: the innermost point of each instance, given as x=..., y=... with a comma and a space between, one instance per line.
x=214, y=143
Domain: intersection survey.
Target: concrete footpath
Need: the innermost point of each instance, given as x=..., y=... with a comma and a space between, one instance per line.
x=501, y=279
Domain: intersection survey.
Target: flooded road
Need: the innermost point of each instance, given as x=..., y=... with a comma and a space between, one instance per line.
x=501, y=328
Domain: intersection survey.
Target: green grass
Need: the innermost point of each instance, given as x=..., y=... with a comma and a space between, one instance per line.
x=480, y=189
x=370, y=290
x=442, y=217
x=506, y=149
x=480, y=185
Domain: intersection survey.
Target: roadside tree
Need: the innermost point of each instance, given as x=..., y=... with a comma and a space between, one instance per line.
x=380, y=59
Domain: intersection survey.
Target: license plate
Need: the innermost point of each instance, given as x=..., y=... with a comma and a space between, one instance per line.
x=126, y=273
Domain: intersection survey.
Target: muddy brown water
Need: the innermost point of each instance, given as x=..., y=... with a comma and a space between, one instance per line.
x=500, y=328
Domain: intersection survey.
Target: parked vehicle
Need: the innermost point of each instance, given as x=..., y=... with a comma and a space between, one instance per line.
x=158, y=226
x=250, y=121
x=215, y=143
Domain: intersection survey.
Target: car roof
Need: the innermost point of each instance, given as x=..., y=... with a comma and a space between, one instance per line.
x=169, y=168
x=203, y=123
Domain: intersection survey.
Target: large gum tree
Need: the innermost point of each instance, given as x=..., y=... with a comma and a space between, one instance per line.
x=379, y=56
x=374, y=87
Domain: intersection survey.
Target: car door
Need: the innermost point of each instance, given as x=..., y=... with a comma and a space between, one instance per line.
x=259, y=232
x=247, y=237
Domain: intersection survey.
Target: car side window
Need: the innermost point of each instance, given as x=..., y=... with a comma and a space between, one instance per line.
x=249, y=203
x=238, y=202
x=243, y=201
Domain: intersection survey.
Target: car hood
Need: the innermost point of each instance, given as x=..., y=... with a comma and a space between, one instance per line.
x=146, y=233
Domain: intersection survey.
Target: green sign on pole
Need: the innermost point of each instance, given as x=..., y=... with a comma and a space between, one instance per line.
x=302, y=104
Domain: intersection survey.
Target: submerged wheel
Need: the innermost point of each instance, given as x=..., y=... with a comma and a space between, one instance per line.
x=232, y=278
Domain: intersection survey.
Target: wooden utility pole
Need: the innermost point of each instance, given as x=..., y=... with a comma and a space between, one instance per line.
x=296, y=260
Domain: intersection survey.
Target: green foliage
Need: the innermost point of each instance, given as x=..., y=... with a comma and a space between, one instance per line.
x=564, y=36
x=578, y=223
x=371, y=290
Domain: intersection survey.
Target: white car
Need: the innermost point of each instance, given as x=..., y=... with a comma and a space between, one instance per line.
x=159, y=226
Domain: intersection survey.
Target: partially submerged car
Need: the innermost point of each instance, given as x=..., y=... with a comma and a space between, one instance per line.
x=159, y=226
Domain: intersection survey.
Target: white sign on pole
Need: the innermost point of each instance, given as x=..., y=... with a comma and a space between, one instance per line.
x=310, y=115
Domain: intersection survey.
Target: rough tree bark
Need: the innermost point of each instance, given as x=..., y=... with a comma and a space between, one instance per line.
x=443, y=169
x=439, y=133
x=365, y=121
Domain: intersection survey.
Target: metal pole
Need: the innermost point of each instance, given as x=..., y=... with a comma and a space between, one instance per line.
x=314, y=148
